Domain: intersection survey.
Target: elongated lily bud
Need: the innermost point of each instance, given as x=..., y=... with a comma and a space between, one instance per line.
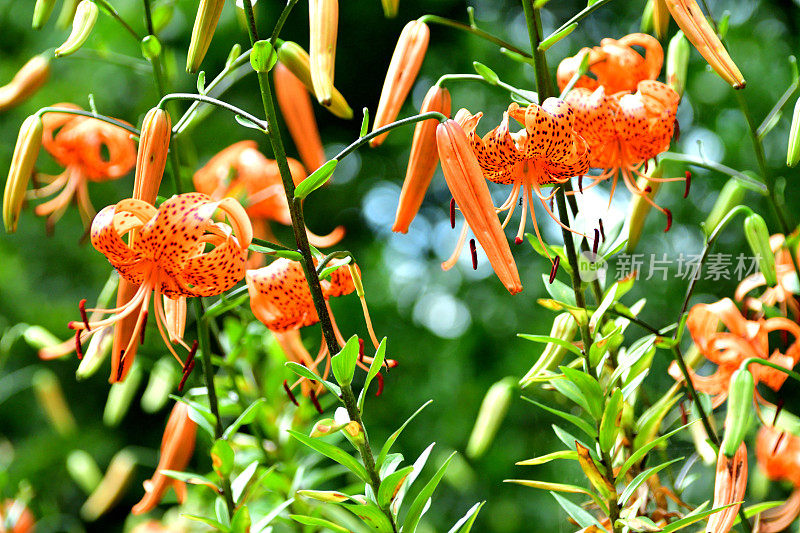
x=82, y=25
x=41, y=13
x=324, y=495
x=757, y=235
x=51, y=399
x=730, y=196
x=296, y=60
x=67, y=14
x=691, y=20
x=25, y=83
x=152, y=155
x=640, y=208
x=564, y=327
x=468, y=187
x=96, y=353
x=660, y=18
x=163, y=378
x=29, y=141
x=83, y=469
x=677, y=62
x=740, y=410
x=793, y=152
x=295, y=105
x=120, y=397
x=423, y=159
x=112, y=487
x=729, y=487
x=323, y=23
x=205, y=22
x=403, y=69
x=390, y=8
x=490, y=416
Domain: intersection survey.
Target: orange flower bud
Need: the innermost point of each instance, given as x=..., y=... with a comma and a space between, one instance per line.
x=26, y=82
x=323, y=23
x=205, y=23
x=403, y=69
x=296, y=108
x=471, y=193
x=26, y=150
x=423, y=159
x=152, y=156
x=691, y=20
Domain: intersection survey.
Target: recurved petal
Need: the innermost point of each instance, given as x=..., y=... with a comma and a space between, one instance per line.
x=215, y=271
x=212, y=177
x=650, y=67
x=729, y=487
x=114, y=221
x=594, y=115
x=279, y=296
x=90, y=138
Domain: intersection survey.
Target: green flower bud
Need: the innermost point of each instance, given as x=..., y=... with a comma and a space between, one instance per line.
x=490, y=416
x=564, y=327
x=740, y=410
x=37, y=337
x=205, y=23
x=83, y=469
x=163, y=378
x=151, y=47
x=82, y=24
x=324, y=495
x=111, y=488
x=41, y=12
x=67, y=14
x=120, y=397
x=96, y=353
x=29, y=142
x=757, y=235
x=51, y=399
x=793, y=153
x=730, y=196
x=263, y=57
x=677, y=62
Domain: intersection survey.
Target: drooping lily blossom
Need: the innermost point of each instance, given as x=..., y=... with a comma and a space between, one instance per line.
x=625, y=130
x=741, y=339
x=167, y=257
x=781, y=294
x=778, y=454
x=616, y=65
x=241, y=171
x=730, y=484
x=177, y=447
x=281, y=300
x=546, y=151
x=77, y=144
x=295, y=105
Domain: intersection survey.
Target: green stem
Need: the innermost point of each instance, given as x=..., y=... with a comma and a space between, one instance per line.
x=281, y=21
x=474, y=77
x=746, y=180
x=219, y=103
x=148, y=17
x=791, y=373
x=585, y=12
x=402, y=122
x=351, y=404
x=474, y=30
x=108, y=8
x=81, y=112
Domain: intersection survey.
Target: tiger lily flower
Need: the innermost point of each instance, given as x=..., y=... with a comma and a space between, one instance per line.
x=778, y=454
x=546, y=151
x=728, y=349
x=281, y=300
x=616, y=65
x=403, y=69
x=694, y=25
x=781, y=293
x=77, y=144
x=423, y=159
x=242, y=172
x=177, y=446
x=25, y=82
x=730, y=484
x=167, y=257
x=298, y=114
x=625, y=130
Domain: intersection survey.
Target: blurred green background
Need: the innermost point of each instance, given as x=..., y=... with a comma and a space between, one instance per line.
x=452, y=332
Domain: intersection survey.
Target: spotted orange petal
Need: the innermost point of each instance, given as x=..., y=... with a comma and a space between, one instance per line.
x=279, y=296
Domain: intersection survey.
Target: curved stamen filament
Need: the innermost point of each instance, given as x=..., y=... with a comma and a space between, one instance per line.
x=161, y=321
x=524, y=217
x=462, y=238
x=56, y=184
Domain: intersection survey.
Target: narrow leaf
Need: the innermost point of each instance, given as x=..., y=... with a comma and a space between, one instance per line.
x=333, y=452
x=417, y=507
x=393, y=437
x=316, y=180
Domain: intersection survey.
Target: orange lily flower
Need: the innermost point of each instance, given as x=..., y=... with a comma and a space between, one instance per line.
x=167, y=257
x=729, y=487
x=423, y=159
x=281, y=300
x=781, y=293
x=616, y=65
x=177, y=446
x=625, y=130
x=728, y=349
x=242, y=172
x=778, y=454
x=547, y=151
x=295, y=104
x=403, y=69
x=77, y=144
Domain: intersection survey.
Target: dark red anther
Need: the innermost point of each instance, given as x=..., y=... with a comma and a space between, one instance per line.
x=517, y=240
x=684, y=416
x=676, y=132
x=580, y=183
x=646, y=164
x=84, y=317
x=452, y=212
x=669, y=219
x=187, y=370
x=121, y=365
x=778, y=442
x=289, y=392
x=72, y=324
x=144, y=327
x=552, y=208
x=361, y=350
x=190, y=357
x=313, y=396
x=474, y=252
x=778, y=409
x=602, y=231
x=380, y=384
x=648, y=189
x=596, y=241
x=554, y=270
x=78, y=348
x=688, y=184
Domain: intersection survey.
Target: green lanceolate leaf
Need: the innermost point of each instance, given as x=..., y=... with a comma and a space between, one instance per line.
x=579, y=422
x=333, y=452
x=390, y=485
x=317, y=179
x=343, y=363
x=417, y=508
x=608, y=425
x=247, y=416
x=393, y=437
x=321, y=522
x=641, y=452
x=464, y=525
x=590, y=389
x=638, y=480
x=582, y=517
